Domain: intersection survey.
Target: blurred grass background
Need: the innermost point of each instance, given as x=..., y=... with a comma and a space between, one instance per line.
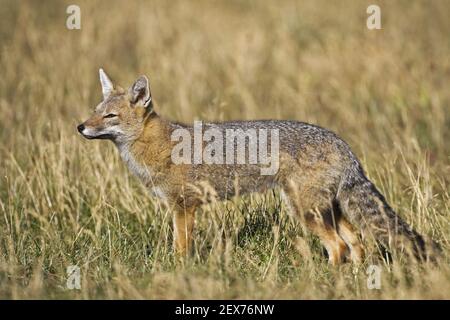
x=68, y=201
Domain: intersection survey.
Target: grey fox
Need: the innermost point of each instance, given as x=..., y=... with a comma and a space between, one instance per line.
x=319, y=176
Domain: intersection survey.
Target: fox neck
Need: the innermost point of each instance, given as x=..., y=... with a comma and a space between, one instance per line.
x=146, y=154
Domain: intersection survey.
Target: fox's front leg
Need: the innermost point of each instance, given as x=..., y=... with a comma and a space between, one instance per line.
x=183, y=226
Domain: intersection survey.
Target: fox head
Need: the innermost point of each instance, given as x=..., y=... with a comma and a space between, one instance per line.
x=120, y=116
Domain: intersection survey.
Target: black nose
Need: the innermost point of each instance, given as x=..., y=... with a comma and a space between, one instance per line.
x=80, y=128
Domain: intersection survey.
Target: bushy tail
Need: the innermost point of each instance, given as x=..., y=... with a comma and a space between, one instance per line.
x=365, y=206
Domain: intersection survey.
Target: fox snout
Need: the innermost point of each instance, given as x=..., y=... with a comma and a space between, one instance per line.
x=93, y=133
x=80, y=128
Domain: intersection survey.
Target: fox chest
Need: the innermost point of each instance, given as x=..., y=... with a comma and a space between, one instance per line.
x=144, y=173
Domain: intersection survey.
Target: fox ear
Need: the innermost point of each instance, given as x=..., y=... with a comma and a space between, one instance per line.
x=107, y=85
x=140, y=92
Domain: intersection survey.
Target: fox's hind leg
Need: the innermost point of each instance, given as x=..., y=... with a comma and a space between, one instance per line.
x=333, y=243
x=313, y=211
x=348, y=233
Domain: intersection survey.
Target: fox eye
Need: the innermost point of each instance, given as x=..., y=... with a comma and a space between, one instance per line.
x=110, y=115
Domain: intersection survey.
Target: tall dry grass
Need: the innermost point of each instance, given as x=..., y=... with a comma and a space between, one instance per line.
x=67, y=201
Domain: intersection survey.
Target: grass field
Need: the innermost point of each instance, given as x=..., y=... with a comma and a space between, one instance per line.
x=68, y=201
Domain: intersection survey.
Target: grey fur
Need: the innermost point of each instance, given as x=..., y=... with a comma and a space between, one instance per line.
x=341, y=177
